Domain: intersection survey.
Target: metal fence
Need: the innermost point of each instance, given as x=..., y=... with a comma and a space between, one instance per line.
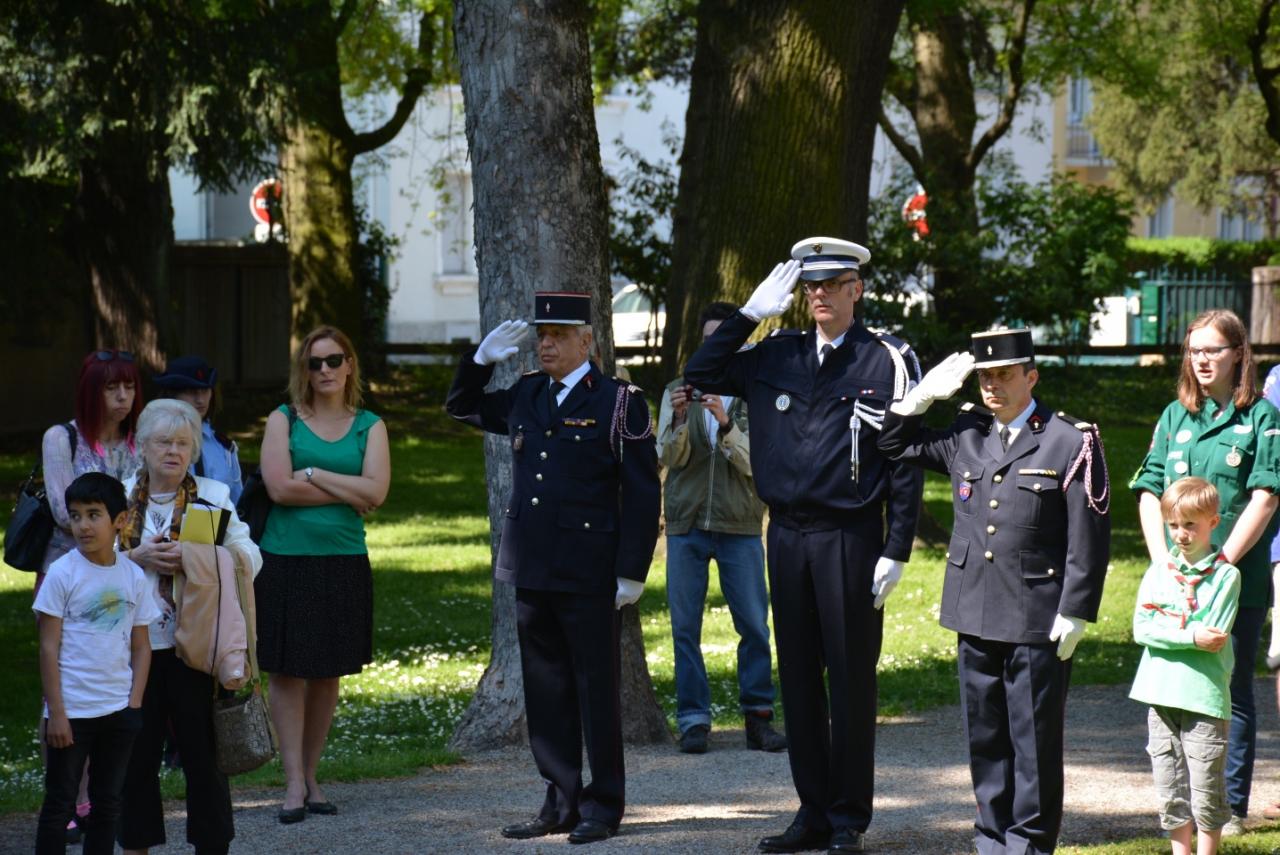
x=1170, y=299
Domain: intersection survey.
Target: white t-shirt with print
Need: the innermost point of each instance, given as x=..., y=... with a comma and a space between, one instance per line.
x=99, y=607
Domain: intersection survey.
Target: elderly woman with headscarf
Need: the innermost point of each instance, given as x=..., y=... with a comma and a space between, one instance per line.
x=169, y=434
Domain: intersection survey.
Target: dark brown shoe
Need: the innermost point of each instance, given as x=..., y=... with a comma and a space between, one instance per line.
x=760, y=733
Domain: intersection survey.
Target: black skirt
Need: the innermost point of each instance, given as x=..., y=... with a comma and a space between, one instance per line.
x=315, y=614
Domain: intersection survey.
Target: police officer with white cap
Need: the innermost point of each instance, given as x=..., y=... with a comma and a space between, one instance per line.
x=842, y=519
x=1024, y=572
x=577, y=540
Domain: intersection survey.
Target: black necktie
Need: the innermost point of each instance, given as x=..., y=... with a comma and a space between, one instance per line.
x=556, y=388
x=824, y=353
x=1004, y=437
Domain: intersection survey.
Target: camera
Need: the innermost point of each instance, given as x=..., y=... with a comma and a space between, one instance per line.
x=695, y=395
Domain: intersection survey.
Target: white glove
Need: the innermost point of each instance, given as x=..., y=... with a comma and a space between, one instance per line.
x=629, y=590
x=942, y=381
x=885, y=579
x=501, y=343
x=772, y=296
x=1067, y=631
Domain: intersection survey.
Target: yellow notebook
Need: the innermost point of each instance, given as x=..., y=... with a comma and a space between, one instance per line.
x=204, y=524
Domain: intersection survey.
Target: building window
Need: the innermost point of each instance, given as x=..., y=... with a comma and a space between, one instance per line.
x=1080, y=142
x=1238, y=227
x=1160, y=221
x=457, y=244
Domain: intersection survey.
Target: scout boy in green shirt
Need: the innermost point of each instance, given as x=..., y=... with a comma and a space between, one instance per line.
x=1186, y=605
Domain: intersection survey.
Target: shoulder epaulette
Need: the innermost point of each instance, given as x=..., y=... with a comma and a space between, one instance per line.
x=747, y=347
x=631, y=387
x=777, y=333
x=972, y=409
x=1079, y=424
x=531, y=374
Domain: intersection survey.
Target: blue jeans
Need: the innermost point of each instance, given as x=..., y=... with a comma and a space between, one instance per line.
x=1246, y=633
x=740, y=560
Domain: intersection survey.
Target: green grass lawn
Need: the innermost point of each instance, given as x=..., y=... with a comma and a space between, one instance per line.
x=430, y=552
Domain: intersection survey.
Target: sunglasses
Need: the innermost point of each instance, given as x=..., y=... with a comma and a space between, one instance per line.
x=333, y=360
x=108, y=355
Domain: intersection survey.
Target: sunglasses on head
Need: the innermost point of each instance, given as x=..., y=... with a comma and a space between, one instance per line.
x=108, y=355
x=333, y=360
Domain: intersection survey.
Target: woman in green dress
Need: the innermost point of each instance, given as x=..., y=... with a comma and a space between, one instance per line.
x=1222, y=430
x=324, y=469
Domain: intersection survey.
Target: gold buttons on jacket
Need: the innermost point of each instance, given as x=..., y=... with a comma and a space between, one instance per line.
x=997, y=478
x=535, y=500
x=577, y=438
x=991, y=529
x=1050, y=571
x=966, y=474
x=542, y=455
x=1036, y=486
x=987, y=555
x=538, y=476
x=994, y=504
x=586, y=525
x=548, y=433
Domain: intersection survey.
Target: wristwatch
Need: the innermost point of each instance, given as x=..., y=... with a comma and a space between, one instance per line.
x=309, y=471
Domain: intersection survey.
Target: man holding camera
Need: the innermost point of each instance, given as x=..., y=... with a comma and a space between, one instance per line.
x=712, y=511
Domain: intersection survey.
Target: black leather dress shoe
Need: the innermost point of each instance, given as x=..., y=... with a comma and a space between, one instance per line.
x=845, y=840
x=536, y=827
x=797, y=838
x=589, y=831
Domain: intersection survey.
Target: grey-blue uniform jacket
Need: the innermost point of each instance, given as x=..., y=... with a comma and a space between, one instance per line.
x=581, y=512
x=1025, y=545
x=801, y=437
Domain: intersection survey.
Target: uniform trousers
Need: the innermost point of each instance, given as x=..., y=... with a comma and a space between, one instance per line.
x=569, y=657
x=825, y=620
x=1013, y=702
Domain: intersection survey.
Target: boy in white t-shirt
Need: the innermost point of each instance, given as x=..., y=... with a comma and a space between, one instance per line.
x=94, y=656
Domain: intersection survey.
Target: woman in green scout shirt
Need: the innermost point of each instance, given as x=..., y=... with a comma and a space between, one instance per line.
x=1220, y=429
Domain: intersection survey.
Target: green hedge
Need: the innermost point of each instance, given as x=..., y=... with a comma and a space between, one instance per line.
x=1234, y=258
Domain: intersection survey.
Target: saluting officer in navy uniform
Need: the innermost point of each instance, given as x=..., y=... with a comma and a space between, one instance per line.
x=841, y=519
x=1024, y=572
x=577, y=541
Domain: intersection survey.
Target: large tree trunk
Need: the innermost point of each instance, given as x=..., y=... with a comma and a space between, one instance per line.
x=121, y=229
x=320, y=220
x=945, y=118
x=782, y=111
x=540, y=223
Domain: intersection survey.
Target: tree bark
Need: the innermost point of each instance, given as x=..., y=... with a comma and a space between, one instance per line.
x=121, y=230
x=540, y=224
x=939, y=96
x=316, y=159
x=782, y=111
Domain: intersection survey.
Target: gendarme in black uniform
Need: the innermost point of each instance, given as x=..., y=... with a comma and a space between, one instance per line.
x=836, y=506
x=583, y=514
x=1030, y=543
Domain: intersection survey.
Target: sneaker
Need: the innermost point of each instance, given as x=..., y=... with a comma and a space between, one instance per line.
x=694, y=740
x=760, y=733
x=1234, y=826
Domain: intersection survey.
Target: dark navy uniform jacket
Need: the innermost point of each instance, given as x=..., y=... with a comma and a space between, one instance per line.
x=801, y=441
x=580, y=513
x=1025, y=545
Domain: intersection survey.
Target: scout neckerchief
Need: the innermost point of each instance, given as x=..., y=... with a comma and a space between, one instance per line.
x=1188, y=579
x=135, y=523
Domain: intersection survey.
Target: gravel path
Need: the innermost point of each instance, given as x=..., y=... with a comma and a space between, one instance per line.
x=726, y=800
